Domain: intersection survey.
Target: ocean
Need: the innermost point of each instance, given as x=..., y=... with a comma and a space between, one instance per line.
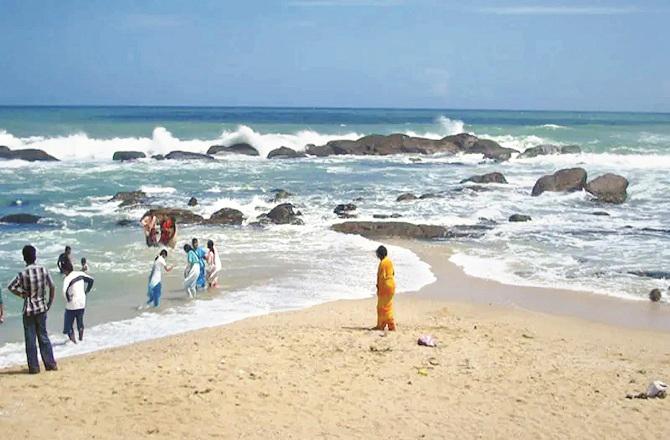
x=289, y=267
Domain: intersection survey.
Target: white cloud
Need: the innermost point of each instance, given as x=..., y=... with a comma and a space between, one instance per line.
x=558, y=10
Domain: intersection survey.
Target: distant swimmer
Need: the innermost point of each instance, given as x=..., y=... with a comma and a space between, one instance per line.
x=385, y=291
x=65, y=257
x=76, y=285
x=156, y=278
x=213, y=265
x=202, y=254
x=191, y=271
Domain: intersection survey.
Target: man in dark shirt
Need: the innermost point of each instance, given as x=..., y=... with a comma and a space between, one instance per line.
x=65, y=256
x=31, y=284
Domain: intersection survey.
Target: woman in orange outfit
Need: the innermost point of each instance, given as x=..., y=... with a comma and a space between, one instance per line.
x=385, y=291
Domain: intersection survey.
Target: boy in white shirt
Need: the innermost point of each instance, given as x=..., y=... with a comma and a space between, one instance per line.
x=76, y=285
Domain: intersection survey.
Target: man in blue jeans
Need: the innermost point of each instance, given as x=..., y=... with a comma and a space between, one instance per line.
x=31, y=284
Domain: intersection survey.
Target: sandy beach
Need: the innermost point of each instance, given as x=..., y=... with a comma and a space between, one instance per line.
x=500, y=370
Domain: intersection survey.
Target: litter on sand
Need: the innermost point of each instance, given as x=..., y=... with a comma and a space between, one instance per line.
x=427, y=341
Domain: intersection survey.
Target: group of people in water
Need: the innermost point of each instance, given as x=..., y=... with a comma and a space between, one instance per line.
x=159, y=229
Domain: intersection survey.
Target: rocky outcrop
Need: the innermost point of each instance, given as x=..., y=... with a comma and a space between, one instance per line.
x=183, y=216
x=344, y=210
x=391, y=229
x=491, y=150
x=283, y=214
x=29, y=155
x=568, y=180
x=192, y=201
x=487, y=178
x=549, y=149
x=285, y=153
x=158, y=157
x=241, y=148
x=385, y=216
x=515, y=218
x=128, y=155
x=20, y=219
x=406, y=197
x=187, y=155
x=601, y=213
x=655, y=274
x=609, y=188
x=129, y=198
x=226, y=216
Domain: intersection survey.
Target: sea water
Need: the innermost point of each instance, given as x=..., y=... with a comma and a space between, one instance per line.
x=288, y=267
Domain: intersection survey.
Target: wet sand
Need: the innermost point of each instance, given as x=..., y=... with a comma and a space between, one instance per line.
x=499, y=371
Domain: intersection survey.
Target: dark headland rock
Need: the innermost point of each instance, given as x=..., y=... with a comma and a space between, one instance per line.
x=187, y=155
x=568, y=180
x=183, y=216
x=549, y=149
x=486, y=178
x=128, y=155
x=226, y=216
x=20, y=219
x=129, y=198
x=391, y=229
x=285, y=153
x=29, y=154
x=241, y=148
x=609, y=188
x=519, y=218
x=283, y=214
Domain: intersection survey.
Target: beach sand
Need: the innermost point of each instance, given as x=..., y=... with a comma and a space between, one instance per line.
x=499, y=371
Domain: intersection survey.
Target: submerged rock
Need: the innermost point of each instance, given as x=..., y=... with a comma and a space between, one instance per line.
x=385, y=216
x=391, y=229
x=567, y=180
x=187, y=155
x=520, y=218
x=494, y=177
x=226, y=216
x=549, y=149
x=192, y=201
x=406, y=197
x=20, y=219
x=28, y=154
x=655, y=274
x=285, y=153
x=280, y=194
x=129, y=198
x=128, y=155
x=601, y=213
x=158, y=157
x=241, y=148
x=344, y=210
x=609, y=188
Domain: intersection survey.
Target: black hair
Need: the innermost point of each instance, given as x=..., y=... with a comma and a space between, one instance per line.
x=68, y=248
x=67, y=266
x=29, y=254
x=187, y=248
x=83, y=260
x=193, y=242
x=381, y=252
x=210, y=245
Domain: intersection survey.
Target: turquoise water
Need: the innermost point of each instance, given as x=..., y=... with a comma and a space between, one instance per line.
x=294, y=266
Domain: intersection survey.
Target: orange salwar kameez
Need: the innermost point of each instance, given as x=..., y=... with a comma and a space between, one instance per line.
x=385, y=293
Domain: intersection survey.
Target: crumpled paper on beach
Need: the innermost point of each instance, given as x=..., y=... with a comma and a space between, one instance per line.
x=427, y=340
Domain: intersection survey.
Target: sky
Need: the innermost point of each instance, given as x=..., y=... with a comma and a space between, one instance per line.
x=516, y=54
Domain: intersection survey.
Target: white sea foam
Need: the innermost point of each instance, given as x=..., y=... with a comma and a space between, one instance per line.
x=554, y=126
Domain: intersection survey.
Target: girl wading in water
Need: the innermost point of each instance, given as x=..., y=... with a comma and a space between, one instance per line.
x=191, y=271
x=214, y=265
x=385, y=291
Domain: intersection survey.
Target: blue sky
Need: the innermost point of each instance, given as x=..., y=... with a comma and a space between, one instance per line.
x=575, y=55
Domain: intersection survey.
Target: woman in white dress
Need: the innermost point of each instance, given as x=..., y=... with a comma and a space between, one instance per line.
x=191, y=271
x=213, y=265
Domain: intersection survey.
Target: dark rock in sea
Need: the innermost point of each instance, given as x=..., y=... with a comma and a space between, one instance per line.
x=415, y=159
x=20, y=219
x=158, y=157
x=609, y=188
x=468, y=231
x=285, y=153
x=601, y=213
x=129, y=198
x=283, y=214
x=192, y=201
x=344, y=210
x=126, y=223
x=492, y=150
x=226, y=216
x=655, y=295
x=385, y=216
x=242, y=148
x=183, y=216
x=471, y=188
x=429, y=196
x=406, y=197
x=568, y=180
x=358, y=199
x=655, y=274
x=4, y=148
x=187, y=155
x=549, y=149
x=486, y=178
x=391, y=229
x=29, y=154
x=128, y=155
x=280, y=194
x=520, y=218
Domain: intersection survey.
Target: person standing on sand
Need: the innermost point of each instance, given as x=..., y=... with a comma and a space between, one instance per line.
x=214, y=265
x=156, y=278
x=385, y=291
x=31, y=284
x=76, y=286
x=64, y=257
x=191, y=271
x=202, y=254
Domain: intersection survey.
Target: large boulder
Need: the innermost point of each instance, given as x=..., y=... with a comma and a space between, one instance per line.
x=609, y=188
x=128, y=155
x=129, y=198
x=285, y=153
x=491, y=150
x=283, y=214
x=241, y=148
x=344, y=210
x=29, y=154
x=20, y=219
x=226, y=216
x=183, y=216
x=549, y=149
x=486, y=178
x=391, y=229
x=515, y=218
x=187, y=155
x=568, y=180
